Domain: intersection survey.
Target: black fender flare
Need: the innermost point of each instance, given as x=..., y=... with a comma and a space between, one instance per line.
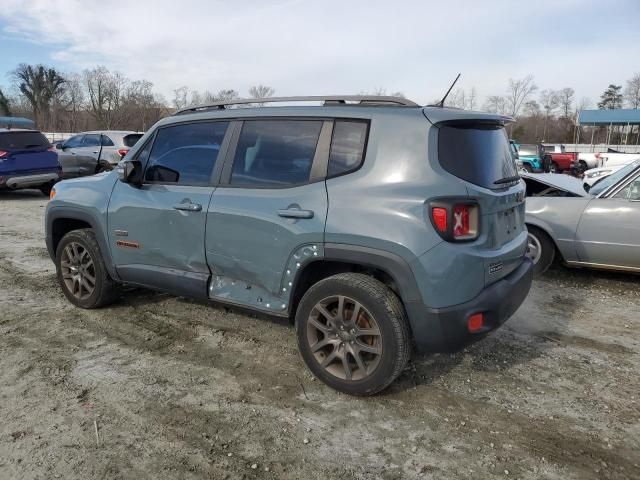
x=57, y=213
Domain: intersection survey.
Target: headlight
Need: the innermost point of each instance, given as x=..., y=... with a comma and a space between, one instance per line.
x=598, y=174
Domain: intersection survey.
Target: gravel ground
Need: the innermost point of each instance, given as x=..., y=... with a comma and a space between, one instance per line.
x=180, y=389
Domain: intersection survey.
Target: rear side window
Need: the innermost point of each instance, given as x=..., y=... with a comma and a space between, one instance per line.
x=477, y=153
x=107, y=142
x=275, y=153
x=91, y=140
x=131, y=139
x=347, y=147
x=23, y=141
x=185, y=154
x=528, y=150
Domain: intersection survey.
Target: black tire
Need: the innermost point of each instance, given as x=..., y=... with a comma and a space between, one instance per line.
x=378, y=302
x=554, y=168
x=46, y=189
x=103, y=167
x=528, y=168
x=547, y=250
x=105, y=288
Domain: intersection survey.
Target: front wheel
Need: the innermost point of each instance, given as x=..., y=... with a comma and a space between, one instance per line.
x=540, y=249
x=353, y=333
x=81, y=270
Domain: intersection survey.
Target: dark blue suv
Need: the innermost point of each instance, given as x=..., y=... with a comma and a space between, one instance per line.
x=27, y=160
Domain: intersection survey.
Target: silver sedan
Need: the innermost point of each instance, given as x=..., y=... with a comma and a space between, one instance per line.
x=594, y=227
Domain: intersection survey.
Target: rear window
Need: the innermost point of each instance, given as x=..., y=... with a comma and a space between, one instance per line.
x=479, y=154
x=23, y=141
x=131, y=139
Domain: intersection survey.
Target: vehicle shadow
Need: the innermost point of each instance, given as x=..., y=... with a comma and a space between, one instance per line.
x=21, y=194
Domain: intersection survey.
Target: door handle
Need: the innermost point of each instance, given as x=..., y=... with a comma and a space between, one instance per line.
x=95, y=152
x=295, y=213
x=189, y=207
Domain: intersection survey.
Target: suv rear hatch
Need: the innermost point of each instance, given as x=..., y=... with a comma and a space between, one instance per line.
x=475, y=148
x=26, y=151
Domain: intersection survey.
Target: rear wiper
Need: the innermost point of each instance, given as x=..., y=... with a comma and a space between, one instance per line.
x=507, y=180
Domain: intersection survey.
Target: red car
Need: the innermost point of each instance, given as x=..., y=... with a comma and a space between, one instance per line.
x=560, y=160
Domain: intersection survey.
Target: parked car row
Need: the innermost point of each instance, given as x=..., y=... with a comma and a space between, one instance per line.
x=28, y=160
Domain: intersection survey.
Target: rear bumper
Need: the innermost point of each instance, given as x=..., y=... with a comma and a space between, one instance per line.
x=445, y=329
x=14, y=181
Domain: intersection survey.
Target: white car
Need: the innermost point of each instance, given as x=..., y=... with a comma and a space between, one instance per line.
x=610, y=163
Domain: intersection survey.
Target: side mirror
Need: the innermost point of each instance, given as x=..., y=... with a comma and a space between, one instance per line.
x=130, y=172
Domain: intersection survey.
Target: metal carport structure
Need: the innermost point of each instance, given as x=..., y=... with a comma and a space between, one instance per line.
x=624, y=117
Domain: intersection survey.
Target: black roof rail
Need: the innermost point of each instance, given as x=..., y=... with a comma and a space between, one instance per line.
x=368, y=100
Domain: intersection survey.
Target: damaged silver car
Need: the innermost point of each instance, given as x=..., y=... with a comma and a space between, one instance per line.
x=593, y=227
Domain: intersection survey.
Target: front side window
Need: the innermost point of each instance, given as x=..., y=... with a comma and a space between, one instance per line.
x=631, y=191
x=185, y=154
x=275, y=153
x=74, y=142
x=347, y=147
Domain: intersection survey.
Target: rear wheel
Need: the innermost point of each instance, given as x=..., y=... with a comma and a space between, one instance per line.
x=46, y=189
x=554, y=168
x=81, y=271
x=104, y=167
x=353, y=334
x=540, y=249
x=528, y=168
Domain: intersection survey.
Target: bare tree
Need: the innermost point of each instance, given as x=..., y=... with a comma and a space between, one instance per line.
x=38, y=84
x=106, y=96
x=518, y=92
x=565, y=99
x=549, y=99
x=5, y=108
x=261, y=91
x=473, y=95
x=496, y=104
x=632, y=92
x=180, y=96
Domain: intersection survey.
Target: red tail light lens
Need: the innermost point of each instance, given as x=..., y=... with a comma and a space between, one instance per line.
x=51, y=149
x=439, y=216
x=475, y=322
x=123, y=151
x=3, y=154
x=455, y=220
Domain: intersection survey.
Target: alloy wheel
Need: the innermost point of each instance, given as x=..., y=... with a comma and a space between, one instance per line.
x=534, y=248
x=78, y=271
x=344, y=338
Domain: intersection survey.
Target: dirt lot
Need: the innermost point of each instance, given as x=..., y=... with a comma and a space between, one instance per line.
x=179, y=389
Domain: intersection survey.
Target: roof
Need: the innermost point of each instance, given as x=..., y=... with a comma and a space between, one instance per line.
x=618, y=116
x=13, y=130
x=16, y=122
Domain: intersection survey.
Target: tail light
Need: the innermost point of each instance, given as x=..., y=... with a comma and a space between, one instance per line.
x=3, y=154
x=51, y=149
x=123, y=151
x=455, y=220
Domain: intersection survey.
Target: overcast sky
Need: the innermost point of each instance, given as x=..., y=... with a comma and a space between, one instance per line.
x=326, y=46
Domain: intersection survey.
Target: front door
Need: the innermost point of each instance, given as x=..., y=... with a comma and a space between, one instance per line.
x=609, y=229
x=87, y=154
x=268, y=219
x=157, y=230
x=67, y=156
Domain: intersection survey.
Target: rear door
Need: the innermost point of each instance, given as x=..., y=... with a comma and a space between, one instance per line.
x=268, y=214
x=157, y=230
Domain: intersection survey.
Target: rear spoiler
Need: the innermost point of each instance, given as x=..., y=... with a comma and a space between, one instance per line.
x=439, y=115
